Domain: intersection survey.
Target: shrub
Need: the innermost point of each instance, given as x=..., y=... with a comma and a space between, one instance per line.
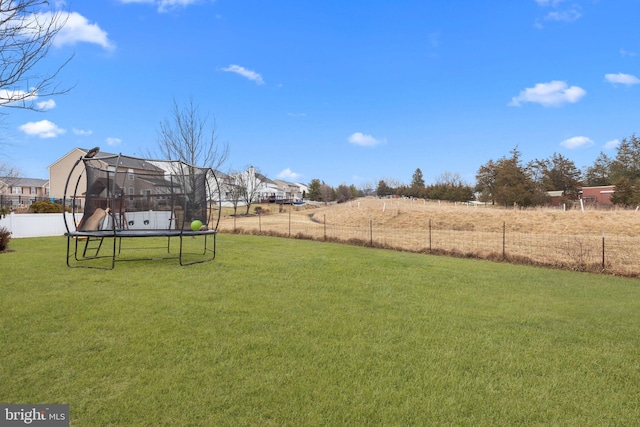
x=5, y=236
x=259, y=210
x=45, y=206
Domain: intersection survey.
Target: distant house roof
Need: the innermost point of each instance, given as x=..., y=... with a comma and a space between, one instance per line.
x=263, y=178
x=557, y=193
x=23, y=182
x=125, y=161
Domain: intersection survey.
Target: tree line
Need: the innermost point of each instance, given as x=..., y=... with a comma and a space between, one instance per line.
x=509, y=181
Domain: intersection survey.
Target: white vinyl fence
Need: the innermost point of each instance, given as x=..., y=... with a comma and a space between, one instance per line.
x=36, y=225
x=52, y=224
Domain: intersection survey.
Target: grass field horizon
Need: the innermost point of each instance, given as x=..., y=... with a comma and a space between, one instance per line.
x=295, y=332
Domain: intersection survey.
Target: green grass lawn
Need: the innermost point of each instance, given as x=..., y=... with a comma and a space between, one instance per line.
x=293, y=332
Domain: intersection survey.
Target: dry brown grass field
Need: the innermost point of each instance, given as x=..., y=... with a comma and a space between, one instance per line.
x=593, y=240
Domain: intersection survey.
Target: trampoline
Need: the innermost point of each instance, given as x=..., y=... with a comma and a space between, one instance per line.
x=113, y=198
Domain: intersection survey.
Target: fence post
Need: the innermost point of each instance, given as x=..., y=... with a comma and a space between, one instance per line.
x=289, y=223
x=504, y=232
x=324, y=223
x=371, y=231
x=603, y=249
x=429, y=234
x=259, y=223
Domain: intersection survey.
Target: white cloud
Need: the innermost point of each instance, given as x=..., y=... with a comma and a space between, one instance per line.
x=570, y=15
x=545, y=3
x=77, y=29
x=624, y=53
x=288, y=174
x=46, y=105
x=113, y=141
x=625, y=79
x=297, y=114
x=82, y=132
x=42, y=129
x=163, y=5
x=359, y=138
x=577, y=142
x=549, y=94
x=612, y=145
x=249, y=74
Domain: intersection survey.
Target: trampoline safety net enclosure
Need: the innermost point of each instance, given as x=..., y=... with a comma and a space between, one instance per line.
x=175, y=205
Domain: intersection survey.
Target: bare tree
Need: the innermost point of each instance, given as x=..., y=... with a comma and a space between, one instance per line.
x=234, y=191
x=8, y=171
x=250, y=185
x=327, y=193
x=367, y=188
x=27, y=30
x=189, y=136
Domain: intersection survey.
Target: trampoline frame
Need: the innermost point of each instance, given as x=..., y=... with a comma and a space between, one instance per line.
x=79, y=241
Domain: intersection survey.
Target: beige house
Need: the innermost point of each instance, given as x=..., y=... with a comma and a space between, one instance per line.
x=59, y=172
x=16, y=192
x=290, y=191
x=138, y=176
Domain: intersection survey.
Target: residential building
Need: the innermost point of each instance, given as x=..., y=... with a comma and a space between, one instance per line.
x=22, y=192
x=600, y=195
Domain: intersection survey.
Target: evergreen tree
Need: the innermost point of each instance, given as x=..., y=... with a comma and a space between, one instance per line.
x=555, y=173
x=513, y=185
x=486, y=181
x=627, y=161
x=354, y=191
x=314, y=193
x=623, y=194
x=417, y=181
x=383, y=189
x=599, y=173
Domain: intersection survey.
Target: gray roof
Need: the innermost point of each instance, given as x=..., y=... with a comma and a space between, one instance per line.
x=125, y=161
x=23, y=182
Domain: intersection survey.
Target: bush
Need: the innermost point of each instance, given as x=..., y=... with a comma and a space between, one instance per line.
x=259, y=210
x=5, y=236
x=45, y=206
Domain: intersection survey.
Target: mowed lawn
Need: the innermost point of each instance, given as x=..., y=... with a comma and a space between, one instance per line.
x=292, y=332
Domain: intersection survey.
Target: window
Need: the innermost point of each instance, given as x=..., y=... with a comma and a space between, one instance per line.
x=16, y=190
x=33, y=190
x=131, y=174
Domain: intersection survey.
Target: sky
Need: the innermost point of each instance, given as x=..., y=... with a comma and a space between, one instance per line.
x=348, y=92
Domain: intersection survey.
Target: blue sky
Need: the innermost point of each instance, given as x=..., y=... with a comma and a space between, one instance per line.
x=344, y=91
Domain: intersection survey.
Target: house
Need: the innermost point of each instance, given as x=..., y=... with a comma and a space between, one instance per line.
x=16, y=192
x=140, y=178
x=234, y=188
x=290, y=191
x=600, y=195
x=59, y=173
x=303, y=189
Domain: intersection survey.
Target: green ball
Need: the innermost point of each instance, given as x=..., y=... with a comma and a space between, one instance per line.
x=195, y=225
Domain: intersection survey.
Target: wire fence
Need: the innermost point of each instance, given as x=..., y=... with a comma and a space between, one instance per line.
x=600, y=253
